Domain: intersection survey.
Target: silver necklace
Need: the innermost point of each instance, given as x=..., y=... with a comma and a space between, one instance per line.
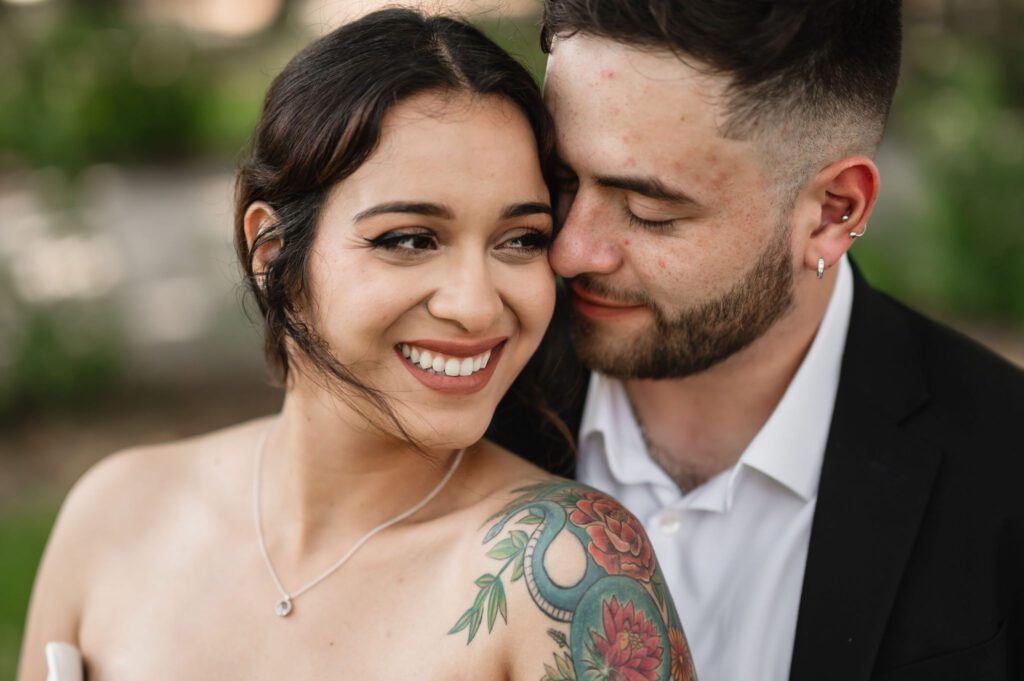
x=284, y=607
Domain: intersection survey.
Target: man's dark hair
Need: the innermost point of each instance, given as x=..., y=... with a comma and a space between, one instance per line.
x=823, y=70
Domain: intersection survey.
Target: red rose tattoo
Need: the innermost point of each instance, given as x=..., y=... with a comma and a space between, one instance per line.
x=619, y=544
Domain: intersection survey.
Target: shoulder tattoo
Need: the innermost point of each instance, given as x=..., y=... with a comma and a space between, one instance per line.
x=621, y=620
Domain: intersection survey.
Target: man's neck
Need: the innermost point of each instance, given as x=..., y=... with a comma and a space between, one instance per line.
x=700, y=425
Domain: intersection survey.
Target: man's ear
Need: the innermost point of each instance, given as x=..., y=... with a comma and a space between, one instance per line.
x=844, y=194
x=259, y=217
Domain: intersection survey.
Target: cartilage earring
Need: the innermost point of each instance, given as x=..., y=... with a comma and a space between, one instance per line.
x=821, y=268
x=857, y=235
x=846, y=218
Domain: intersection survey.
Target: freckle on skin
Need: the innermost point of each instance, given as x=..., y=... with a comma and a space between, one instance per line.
x=625, y=242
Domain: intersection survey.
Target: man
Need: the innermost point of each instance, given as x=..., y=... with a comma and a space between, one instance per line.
x=828, y=478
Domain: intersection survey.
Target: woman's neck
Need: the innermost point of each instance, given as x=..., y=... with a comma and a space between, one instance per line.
x=328, y=476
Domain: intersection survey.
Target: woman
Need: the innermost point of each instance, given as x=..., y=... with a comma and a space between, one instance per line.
x=392, y=222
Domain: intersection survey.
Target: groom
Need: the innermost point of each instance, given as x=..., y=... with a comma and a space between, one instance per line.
x=831, y=481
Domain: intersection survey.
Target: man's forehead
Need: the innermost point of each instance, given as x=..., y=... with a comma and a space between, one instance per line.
x=619, y=104
x=611, y=66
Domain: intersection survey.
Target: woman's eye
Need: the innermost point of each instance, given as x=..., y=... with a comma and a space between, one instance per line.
x=528, y=243
x=410, y=242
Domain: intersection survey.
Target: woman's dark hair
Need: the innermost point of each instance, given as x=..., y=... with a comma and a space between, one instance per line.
x=321, y=120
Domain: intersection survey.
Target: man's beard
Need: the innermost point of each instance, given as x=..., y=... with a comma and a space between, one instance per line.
x=695, y=339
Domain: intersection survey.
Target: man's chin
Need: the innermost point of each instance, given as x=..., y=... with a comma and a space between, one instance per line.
x=609, y=350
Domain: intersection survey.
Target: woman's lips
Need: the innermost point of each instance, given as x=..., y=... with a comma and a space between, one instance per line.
x=457, y=348
x=599, y=308
x=459, y=385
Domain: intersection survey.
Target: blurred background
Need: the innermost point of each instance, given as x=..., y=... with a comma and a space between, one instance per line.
x=121, y=318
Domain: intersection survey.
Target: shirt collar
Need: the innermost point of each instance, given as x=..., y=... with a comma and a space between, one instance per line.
x=790, y=446
x=608, y=418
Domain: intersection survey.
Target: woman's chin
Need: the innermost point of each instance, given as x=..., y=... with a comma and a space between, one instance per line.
x=447, y=432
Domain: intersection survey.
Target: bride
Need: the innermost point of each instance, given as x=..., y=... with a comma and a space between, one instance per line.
x=392, y=221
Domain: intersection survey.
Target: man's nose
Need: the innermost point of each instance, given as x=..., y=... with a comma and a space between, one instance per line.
x=467, y=295
x=586, y=242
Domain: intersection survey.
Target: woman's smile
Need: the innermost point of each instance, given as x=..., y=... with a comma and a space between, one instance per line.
x=451, y=367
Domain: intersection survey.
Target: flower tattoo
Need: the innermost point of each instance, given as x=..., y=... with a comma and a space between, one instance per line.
x=619, y=543
x=630, y=649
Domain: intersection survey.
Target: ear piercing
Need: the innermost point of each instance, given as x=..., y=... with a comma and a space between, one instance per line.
x=855, y=235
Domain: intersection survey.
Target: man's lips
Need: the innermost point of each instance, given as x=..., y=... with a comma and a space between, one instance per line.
x=602, y=308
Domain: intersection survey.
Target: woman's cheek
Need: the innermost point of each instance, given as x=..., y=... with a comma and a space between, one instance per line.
x=533, y=297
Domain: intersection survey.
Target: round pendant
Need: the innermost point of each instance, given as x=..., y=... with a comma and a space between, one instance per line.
x=283, y=607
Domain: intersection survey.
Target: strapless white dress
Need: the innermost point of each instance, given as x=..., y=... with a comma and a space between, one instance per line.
x=63, y=662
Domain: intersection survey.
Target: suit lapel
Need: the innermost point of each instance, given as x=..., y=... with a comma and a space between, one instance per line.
x=875, y=483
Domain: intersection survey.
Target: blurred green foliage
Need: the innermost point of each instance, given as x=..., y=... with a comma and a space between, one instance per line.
x=59, y=358
x=90, y=88
x=521, y=39
x=955, y=244
x=23, y=534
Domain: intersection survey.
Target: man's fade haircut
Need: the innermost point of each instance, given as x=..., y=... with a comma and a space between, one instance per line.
x=820, y=72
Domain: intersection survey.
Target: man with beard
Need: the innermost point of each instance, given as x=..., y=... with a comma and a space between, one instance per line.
x=829, y=479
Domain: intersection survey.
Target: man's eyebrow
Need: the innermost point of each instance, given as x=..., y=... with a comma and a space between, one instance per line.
x=432, y=210
x=518, y=210
x=650, y=187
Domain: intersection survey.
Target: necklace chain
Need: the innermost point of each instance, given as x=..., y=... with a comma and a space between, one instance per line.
x=284, y=607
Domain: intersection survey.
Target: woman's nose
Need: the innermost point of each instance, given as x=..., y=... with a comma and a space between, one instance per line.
x=467, y=296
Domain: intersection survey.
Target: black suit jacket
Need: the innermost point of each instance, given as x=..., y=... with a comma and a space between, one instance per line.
x=915, y=568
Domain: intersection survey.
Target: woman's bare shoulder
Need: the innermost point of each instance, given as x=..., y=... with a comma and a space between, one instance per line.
x=128, y=490
x=149, y=474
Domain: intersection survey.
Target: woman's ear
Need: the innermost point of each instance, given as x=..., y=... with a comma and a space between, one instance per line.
x=259, y=217
x=845, y=195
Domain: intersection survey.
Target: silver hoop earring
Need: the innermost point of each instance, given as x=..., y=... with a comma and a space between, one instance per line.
x=821, y=268
x=857, y=235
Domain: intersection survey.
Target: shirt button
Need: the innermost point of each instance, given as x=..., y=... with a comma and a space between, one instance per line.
x=668, y=522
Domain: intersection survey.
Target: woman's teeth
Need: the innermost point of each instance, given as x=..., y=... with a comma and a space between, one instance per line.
x=443, y=364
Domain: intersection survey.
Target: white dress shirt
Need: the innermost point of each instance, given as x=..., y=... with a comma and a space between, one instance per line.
x=733, y=550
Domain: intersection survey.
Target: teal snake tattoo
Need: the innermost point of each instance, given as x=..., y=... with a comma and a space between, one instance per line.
x=622, y=623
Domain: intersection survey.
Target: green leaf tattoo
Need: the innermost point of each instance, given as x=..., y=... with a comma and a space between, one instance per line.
x=622, y=622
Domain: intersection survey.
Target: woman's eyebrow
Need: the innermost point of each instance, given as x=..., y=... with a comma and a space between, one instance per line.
x=433, y=210
x=518, y=210
x=436, y=210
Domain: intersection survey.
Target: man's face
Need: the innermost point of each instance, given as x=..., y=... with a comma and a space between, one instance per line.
x=676, y=248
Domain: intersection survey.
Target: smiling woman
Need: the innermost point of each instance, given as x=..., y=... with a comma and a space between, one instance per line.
x=447, y=258
x=392, y=221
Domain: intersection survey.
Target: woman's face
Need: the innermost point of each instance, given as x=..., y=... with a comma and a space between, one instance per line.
x=429, y=269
